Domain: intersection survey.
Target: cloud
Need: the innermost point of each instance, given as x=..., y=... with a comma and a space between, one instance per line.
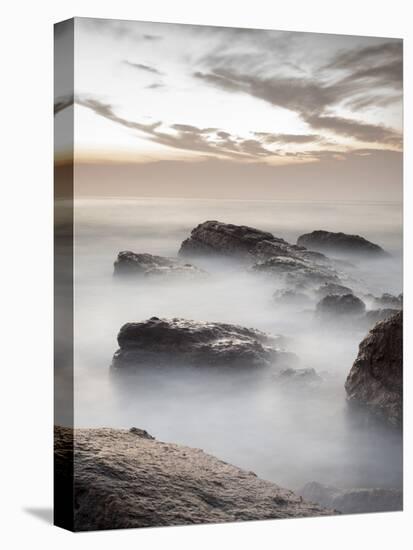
x=361, y=56
x=142, y=67
x=371, y=133
x=288, y=138
x=183, y=136
x=62, y=102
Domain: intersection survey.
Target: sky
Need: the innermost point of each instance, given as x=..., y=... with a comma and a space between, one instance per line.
x=267, y=102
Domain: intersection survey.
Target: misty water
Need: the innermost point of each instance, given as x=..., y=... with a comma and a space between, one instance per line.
x=285, y=433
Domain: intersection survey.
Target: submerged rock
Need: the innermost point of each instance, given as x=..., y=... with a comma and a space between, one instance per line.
x=307, y=377
x=373, y=316
x=125, y=479
x=353, y=501
x=181, y=341
x=287, y=297
x=387, y=301
x=327, y=241
x=332, y=288
x=340, y=305
x=295, y=272
x=132, y=264
x=376, y=377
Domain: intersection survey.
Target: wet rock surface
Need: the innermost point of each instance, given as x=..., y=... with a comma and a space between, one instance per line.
x=327, y=241
x=340, y=305
x=126, y=479
x=182, y=341
x=353, y=501
x=376, y=377
x=131, y=264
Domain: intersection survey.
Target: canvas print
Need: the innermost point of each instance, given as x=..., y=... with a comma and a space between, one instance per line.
x=228, y=274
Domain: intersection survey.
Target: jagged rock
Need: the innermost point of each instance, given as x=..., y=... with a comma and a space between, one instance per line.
x=291, y=297
x=340, y=305
x=131, y=264
x=165, y=341
x=248, y=243
x=326, y=241
x=213, y=237
x=125, y=480
x=353, y=501
x=332, y=288
x=376, y=377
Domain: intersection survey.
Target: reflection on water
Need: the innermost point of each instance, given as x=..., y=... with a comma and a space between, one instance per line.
x=288, y=434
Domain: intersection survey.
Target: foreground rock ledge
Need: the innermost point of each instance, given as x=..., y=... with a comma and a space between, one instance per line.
x=125, y=479
x=376, y=378
x=164, y=341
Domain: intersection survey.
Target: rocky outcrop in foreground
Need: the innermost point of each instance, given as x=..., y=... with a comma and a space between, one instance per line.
x=353, y=501
x=182, y=341
x=126, y=479
x=132, y=264
x=326, y=241
x=376, y=377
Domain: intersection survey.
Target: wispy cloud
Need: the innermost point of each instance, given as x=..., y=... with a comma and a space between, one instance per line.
x=142, y=67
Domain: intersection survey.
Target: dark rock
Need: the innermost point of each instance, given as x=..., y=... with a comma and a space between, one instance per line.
x=376, y=377
x=340, y=305
x=165, y=341
x=131, y=264
x=122, y=480
x=353, y=501
x=213, y=237
x=326, y=241
x=243, y=242
x=332, y=288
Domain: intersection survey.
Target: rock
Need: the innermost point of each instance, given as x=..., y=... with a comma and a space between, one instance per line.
x=353, y=501
x=291, y=298
x=131, y=264
x=307, y=377
x=125, y=480
x=340, y=305
x=184, y=342
x=242, y=242
x=376, y=377
x=295, y=272
x=213, y=237
x=326, y=241
x=332, y=288
x=389, y=301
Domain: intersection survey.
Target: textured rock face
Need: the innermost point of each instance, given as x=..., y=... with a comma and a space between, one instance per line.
x=340, y=304
x=248, y=243
x=213, y=237
x=353, y=501
x=162, y=341
x=125, y=479
x=131, y=264
x=376, y=377
x=326, y=241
